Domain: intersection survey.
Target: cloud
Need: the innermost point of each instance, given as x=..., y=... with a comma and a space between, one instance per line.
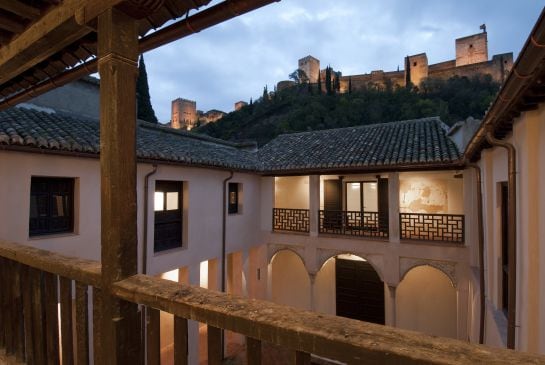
x=234, y=60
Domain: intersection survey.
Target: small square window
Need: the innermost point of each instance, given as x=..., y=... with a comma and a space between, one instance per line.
x=233, y=199
x=51, y=206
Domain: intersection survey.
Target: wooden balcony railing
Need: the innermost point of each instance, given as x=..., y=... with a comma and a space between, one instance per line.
x=432, y=227
x=35, y=281
x=354, y=223
x=295, y=220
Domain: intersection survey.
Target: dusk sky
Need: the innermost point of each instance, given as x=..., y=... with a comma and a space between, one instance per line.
x=236, y=59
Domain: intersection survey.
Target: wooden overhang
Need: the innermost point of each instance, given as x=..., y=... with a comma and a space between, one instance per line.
x=523, y=90
x=48, y=43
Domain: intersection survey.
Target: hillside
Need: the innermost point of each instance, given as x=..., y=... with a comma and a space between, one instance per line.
x=302, y=108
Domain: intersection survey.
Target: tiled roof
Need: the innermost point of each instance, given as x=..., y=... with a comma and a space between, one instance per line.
x=416, y=142
x=48, y=130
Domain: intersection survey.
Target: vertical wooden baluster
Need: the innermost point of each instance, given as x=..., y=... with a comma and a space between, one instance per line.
x=51, y=295
x=253, y=351
x=181, y=350
x=97, y=335
x=26, y=285
x=153, y=336
x=38, y=317
x=82, y=324
x=8, y=308
x=302, y=358
x=17, y=303
x=67, y=337
x=3, y=289
x=215, y=351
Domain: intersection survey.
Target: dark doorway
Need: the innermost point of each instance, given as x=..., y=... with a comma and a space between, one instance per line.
x=333, y=215
x=383, y=205
x=359, y=291
x=332, y=195
x=168, y=215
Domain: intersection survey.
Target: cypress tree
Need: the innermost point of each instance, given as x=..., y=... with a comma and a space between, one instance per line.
x=319, y=84
x=350, y=85
x=145, y=109
x=328, y=87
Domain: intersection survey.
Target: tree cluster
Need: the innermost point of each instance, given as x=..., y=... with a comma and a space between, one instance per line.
x=298, y=109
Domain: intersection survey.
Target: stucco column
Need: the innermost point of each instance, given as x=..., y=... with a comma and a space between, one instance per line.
x=314, y=203
x=245, y=272
x=267, y=203
x=269, y=282
x=390, y=318
x=312, y=277
x=192, y=326
x=393, y=202
x=462, y=305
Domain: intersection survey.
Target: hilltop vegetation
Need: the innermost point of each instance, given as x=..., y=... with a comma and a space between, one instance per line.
x=302, y=108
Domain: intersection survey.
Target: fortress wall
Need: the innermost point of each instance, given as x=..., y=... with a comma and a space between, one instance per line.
x=498, y=68
x=441, y=66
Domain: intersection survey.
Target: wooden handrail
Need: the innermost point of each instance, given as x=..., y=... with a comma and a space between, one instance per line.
x=332, y=337
x=84, y=271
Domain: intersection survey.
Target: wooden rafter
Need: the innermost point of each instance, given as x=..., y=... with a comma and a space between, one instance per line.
x=53, y=32
x=19, y=8
x=7, y=23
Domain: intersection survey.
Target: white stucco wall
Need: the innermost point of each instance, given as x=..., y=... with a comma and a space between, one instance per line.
x=204, y=211
x=290, y=281
x=426, y=302
x=292, y=192
x=325, y=290
x=431, y=192
x=527, y=137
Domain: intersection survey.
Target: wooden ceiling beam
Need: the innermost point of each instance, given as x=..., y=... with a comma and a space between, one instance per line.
x=19, y=8
x=7, y=23
x=48, y=35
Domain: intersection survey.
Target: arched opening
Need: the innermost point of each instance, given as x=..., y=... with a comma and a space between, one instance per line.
x=426, y=302
x=347, y=285
x=289, y=280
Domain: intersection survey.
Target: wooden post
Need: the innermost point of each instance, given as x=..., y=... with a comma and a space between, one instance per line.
x=253, y=351
x=117, y=65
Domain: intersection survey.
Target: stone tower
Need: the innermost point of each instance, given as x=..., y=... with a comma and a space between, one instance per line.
x=184, y=114
x=472, y=49
x=416, y=68
x=311, y=67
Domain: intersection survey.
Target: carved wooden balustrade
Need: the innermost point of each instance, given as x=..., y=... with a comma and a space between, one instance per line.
x=34, y=282
x=432, y=227
x=353, y=223
x=295, y=220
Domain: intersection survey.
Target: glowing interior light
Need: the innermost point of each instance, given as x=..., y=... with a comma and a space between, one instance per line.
x=355, y=185
x=204, y=275
x=170, y=275
x=159, y=200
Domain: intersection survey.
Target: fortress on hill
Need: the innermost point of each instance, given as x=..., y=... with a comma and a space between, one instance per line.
x=471, y=59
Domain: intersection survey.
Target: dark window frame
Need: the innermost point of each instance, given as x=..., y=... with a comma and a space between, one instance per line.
x=233, y=198
x=165, y=218
x=43, y=191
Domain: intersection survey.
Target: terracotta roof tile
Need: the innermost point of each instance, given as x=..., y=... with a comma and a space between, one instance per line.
x=57, y=131
x=413, y=142
x=416, y=142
